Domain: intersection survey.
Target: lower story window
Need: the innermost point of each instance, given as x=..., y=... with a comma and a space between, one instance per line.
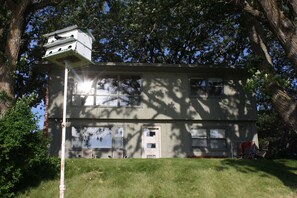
x=96, y=137
x=217, y=138
x=199, y=138
x=208, y=138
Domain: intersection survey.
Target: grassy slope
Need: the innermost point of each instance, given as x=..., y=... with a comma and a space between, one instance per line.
x=173, y=178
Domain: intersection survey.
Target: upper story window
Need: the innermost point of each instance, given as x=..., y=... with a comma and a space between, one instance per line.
x=112, y=91
x=205, y=87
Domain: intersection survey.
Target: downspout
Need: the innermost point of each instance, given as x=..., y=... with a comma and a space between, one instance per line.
x=45, y=124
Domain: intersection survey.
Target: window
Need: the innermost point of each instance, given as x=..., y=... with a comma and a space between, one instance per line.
x=215, y=87
x=112, y=91
x=208, y=138
x=83, y=93
x=97, y=137
x=198, y=87
x=150, y=145
x=107, y=91
x=204, y=87
x=130, y=90
x=91, y=137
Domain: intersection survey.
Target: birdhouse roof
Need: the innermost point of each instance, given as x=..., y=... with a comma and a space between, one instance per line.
x=67, y=29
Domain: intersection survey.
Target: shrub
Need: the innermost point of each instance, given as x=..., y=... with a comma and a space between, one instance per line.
x=282, y=139
x=24, y=156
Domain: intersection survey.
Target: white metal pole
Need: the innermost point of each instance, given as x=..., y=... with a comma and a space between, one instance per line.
x=62, y=182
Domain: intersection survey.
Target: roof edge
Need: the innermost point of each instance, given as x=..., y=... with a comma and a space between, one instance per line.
x=73, y=27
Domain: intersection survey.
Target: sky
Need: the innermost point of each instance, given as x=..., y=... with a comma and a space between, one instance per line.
x=39, y=112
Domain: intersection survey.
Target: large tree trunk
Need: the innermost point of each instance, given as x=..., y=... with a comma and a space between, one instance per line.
x=285, y=105
x=12, y=46
x=19, y=10
x=282, y=27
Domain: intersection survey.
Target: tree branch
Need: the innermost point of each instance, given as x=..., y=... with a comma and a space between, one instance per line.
x=284, y=104
x=10, y=4
x=37, y=6
x=282, y=28
x=250, y=9
x=275, y=16
x=247, y=7
x=294, y=6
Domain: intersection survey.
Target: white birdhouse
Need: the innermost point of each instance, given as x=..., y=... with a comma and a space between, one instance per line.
x=69, y=44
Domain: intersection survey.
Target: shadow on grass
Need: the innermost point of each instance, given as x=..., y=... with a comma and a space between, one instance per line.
x=45, y=170
x=268, y=168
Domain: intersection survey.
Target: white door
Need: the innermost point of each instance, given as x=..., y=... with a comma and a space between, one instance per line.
x=151, y=143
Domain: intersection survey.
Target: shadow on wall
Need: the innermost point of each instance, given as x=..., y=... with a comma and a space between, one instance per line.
x=165, y=103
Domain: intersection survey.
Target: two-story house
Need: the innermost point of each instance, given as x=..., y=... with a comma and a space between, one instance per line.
x=151, y=110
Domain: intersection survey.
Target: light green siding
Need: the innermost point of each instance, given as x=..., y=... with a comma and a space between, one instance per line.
x=165, y=102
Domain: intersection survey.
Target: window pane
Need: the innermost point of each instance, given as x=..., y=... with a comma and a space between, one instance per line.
x=107, y=101
x=119, y=138
x=107, y=86
x=129, y=101
x=97, y=137
x=76, y=138
x=150, y=145
x=215, y=86
x=198, y=133
x=130, y=85
x=199, y=142
x=77, y=100
x=83, y=87
x=217, y=133
x=198, y=87
x=118, y=142
x=150, y=133
x=119, y=132
x=81, y=100
x=218, y=143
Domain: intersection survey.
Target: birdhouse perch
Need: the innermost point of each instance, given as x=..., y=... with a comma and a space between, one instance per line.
x=69, y=44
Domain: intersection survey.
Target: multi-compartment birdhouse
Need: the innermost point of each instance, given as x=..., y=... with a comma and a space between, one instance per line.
x=69, y=44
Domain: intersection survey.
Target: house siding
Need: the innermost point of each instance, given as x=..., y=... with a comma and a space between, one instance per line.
x=166, y=102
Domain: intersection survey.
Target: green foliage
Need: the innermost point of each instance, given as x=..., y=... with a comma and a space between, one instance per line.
x=197, y=32
x=180, y=32
x=282, y=139
x=23, y=155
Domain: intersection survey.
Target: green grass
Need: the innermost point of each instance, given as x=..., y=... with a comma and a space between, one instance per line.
x=173, y=178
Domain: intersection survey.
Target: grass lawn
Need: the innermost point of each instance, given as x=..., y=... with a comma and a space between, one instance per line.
x=88, y=178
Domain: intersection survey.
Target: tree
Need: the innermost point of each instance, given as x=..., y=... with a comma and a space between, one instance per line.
x=277, y=18
x=177, y=32
x=14, y=18
x=209, y=32
x=187, y=32
x=23, y=150
x=282, y=139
